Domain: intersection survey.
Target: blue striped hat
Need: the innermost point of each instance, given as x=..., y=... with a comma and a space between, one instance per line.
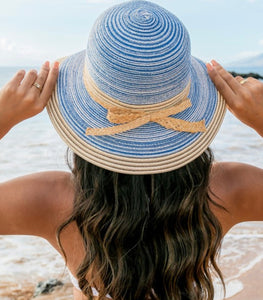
x=136, y=101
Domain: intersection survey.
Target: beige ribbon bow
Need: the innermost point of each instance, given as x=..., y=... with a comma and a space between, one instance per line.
x=131, y=118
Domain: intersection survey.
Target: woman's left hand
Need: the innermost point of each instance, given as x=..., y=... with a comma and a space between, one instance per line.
x=26, y=95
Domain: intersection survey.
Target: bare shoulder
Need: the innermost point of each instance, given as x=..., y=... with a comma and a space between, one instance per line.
x=239, y=188
x=56, y=190
x=236, y=178
x=35, y=204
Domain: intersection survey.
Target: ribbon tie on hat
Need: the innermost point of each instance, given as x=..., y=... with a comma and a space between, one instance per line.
x=130, y=118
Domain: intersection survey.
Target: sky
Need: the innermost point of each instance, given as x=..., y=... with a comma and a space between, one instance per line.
x=33, y=31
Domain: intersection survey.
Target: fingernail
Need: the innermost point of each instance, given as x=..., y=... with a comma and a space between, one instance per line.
x=214, y=63
x=56, y=65
x=46, y=64
x=209, y=67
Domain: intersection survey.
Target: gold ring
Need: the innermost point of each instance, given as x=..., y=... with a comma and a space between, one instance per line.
x=243, y=81
x=37, y=85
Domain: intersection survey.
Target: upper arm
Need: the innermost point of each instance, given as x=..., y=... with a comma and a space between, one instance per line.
x=33, y=204
x=239, y=189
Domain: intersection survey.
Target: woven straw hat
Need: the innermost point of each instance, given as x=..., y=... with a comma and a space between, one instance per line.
x=136, y=101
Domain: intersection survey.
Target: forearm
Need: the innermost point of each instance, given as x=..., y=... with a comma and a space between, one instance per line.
x=4, y=127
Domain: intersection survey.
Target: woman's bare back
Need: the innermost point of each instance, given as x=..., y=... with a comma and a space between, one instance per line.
x=237, y=187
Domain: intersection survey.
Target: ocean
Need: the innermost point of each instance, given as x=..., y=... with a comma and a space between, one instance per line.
x=34, y=146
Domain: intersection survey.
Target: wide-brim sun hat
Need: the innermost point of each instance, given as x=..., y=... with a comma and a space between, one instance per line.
x=136, y=101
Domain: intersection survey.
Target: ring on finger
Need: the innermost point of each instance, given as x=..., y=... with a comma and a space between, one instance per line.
x=243, y=81
x=37, y=85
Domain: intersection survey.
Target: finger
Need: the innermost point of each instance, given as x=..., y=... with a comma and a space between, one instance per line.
x=19, y=76
x=239, y=78
x=251, y=80
x=50, y=84
x=41, y=78
x=246, y=82
x=29, y=79
x=232, y=83
x=221, y=84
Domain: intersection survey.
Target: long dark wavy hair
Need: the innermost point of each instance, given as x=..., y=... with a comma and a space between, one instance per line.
x=147, y=236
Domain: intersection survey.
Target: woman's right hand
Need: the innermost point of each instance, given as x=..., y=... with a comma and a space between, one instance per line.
x=244, y=98
x=20, y=99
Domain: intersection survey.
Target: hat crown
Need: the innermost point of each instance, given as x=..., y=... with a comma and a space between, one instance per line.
x=115, y=105
x=139, y=53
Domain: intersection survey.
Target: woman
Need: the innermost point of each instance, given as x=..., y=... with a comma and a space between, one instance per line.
x=144, y=210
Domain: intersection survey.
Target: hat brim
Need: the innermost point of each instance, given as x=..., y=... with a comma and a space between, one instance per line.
x=147, y=149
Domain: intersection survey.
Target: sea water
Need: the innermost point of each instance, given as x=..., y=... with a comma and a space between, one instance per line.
x=34, y=146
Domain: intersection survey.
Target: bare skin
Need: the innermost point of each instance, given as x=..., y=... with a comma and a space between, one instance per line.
x=245, y=100
x=37, y=204
x=20, y=100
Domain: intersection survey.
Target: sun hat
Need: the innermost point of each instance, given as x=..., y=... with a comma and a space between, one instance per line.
x=136, y=101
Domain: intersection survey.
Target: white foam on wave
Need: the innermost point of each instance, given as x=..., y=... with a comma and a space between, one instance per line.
x=242, y=250
x=233, y=287
x=250, y=265
x=29, y=259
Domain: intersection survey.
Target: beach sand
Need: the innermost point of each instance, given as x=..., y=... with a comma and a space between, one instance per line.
x=241, y=262
x=252, y=288
x=251, y=282
x=26, y=291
